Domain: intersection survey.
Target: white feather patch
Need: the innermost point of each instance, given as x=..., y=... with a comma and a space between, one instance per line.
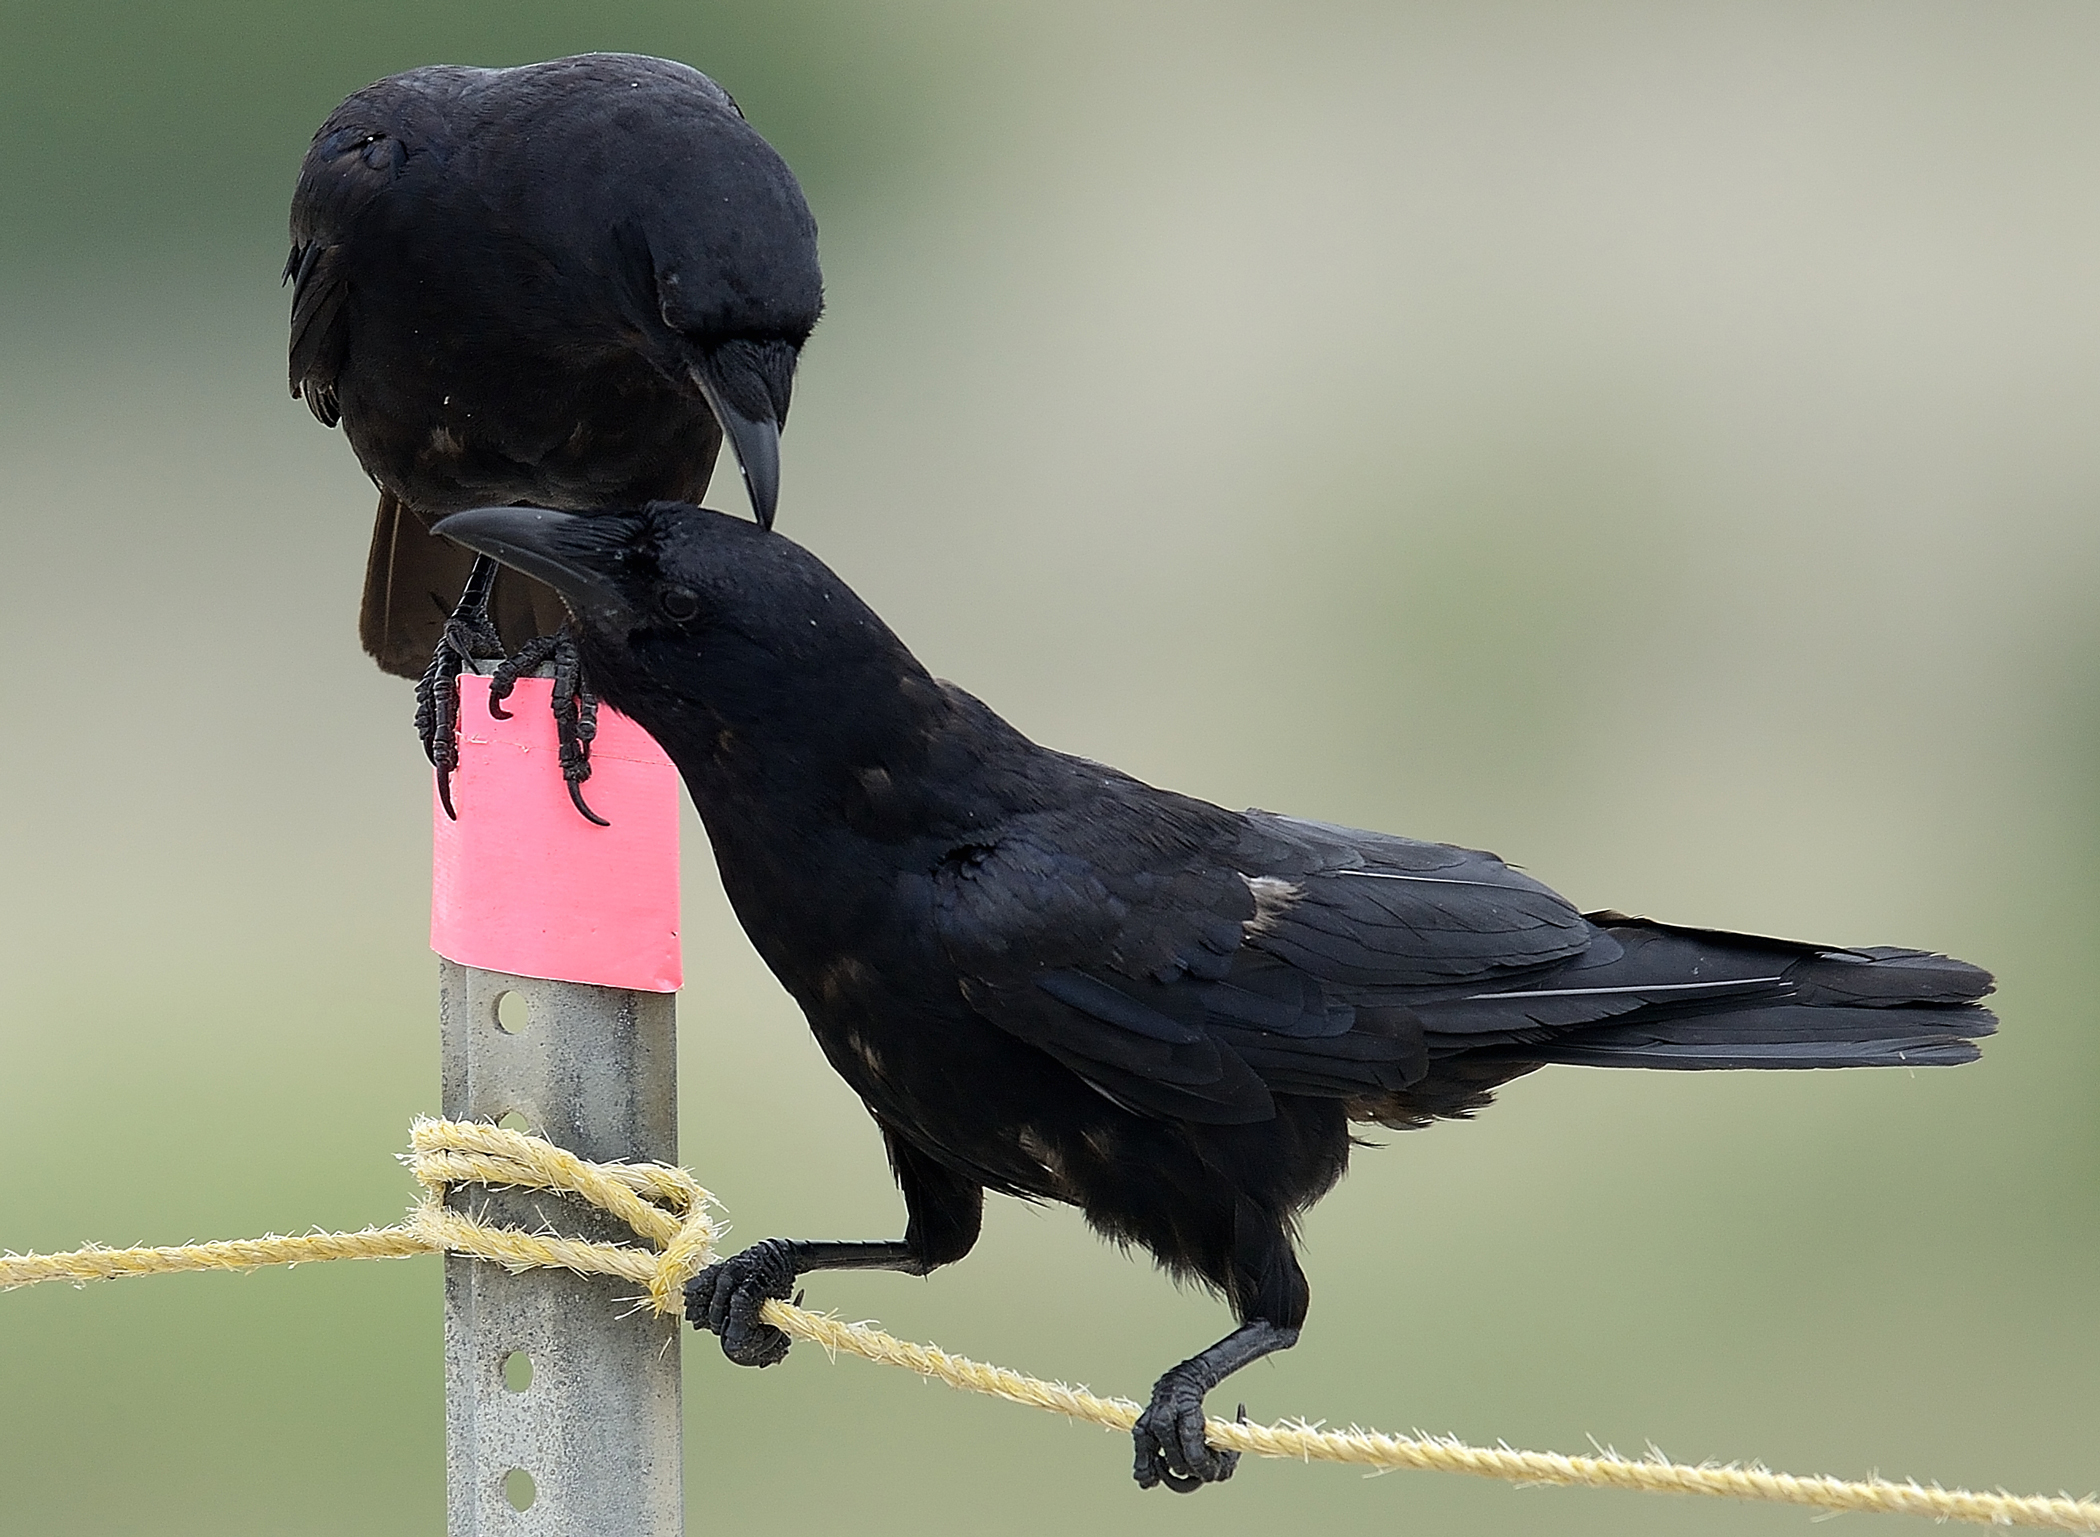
x=1273, y=897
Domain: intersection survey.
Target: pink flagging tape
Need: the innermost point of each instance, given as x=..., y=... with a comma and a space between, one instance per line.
x=521, y=883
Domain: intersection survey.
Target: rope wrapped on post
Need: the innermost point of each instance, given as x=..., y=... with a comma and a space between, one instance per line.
x=662, y=1204
x=672, y=1216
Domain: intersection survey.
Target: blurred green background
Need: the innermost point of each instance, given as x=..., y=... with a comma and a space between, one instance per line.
x=1655, y=442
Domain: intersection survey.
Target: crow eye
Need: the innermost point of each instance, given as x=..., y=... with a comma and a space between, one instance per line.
x=679, y=604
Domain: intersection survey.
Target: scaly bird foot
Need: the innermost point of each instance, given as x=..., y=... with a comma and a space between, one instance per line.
x=575, y=706
x=468, y=634
x=1171, y=1449
x=724, y=1299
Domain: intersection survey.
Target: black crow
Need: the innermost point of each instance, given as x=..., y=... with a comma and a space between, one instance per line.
x=558, y=285
x=1047, y=979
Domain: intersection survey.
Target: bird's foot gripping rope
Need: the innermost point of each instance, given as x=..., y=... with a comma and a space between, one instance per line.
x=671, y=1216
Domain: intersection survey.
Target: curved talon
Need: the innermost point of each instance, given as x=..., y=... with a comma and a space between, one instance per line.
x=468, y=632
x=507, y=672
x=576, y=800
x=437, y=719
x=575, y=718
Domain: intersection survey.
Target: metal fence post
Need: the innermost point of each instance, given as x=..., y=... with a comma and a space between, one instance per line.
x=561, y=1391
x=590, y=1415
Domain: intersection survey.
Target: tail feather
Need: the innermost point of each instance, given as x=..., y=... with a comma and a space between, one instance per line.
x=1656, y=995
x=1883, y=977
x=1784, y=1036
x=413, y=580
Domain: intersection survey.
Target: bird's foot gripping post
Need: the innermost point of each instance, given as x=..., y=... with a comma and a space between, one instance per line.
x=468, y=633
x=575, y=707
x=560, y=949
x=470, y=636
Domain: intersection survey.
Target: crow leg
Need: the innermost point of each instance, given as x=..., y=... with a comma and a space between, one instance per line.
x=1169, y=1434
x=469, y=632
x=944, y=1211
x=575, y=706
x=1247, y=1252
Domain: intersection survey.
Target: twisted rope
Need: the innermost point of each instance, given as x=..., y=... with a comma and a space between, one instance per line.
x=661, y=1204
x=671, y=1214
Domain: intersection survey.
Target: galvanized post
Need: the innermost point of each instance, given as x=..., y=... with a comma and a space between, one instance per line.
x=580, y=1437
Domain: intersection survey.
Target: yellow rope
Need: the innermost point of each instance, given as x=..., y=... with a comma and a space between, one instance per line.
x=667, y=1208
x=665, y=1205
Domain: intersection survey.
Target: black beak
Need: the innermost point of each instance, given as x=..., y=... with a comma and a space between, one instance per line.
x=756, y=442
x=563, y=550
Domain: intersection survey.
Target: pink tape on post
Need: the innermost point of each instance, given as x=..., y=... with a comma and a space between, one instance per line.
x=521, y=883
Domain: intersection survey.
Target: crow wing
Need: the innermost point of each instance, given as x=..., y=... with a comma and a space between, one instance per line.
x=349, y=166
x=1187, y=961
x=1191, y=963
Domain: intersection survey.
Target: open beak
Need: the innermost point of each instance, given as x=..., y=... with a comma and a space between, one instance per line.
x=756, y=443
x=563, y=550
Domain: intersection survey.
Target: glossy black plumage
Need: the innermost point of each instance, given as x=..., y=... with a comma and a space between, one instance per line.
x=553, y=285
x=1048, y=979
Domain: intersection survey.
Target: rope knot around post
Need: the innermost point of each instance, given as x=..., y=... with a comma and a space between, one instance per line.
x=662, y=1204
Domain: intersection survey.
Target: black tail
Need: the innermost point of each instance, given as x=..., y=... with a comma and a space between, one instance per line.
x=412, y=581
x=1695, y=998
x=1927, y=1035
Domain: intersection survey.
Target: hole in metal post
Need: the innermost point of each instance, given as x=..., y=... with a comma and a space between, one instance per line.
x=517, y=1371
x=512, y=1120
x=519, y=1489
x=513, y=1013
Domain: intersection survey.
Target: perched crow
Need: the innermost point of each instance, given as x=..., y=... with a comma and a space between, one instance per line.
x=557, y=285
x=1047, y=979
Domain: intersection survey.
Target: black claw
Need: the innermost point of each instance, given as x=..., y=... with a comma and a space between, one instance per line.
x=1171, y=1449
x=437, y=715
x=574, y=706
x=726, y=1297
x=1169, y=1434
x=468, y=633
x=529, y=658
x=576, y=800
x=575, y=719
